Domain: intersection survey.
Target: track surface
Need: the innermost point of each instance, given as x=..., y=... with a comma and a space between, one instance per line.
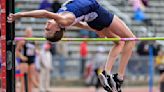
x=91, y=89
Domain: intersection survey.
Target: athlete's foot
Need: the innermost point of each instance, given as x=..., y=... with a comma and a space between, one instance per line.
x=107, y=82
x=118, y=82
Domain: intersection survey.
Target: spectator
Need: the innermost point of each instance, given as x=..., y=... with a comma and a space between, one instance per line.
x=92, y=35
x=137, y=4
x=139, y=15
x=94, y=66
x=138, y=9
x=17, y=71
x=160, y=67
x=84, y=33
x=98, y=64
x=23, y=64
x=37, y=61
x=53, y=49
x=45, y=5
x=30, y=52
x=17, y=7
x=145, y=3
x=62, y=52
x=25, y=50
x=143, y=48
x=45, y=68
x=156, y=48
x=83, y=55
x=55, y=6
x=87, y=34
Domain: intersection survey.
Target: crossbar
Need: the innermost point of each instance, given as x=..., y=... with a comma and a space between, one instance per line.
x=95, y=39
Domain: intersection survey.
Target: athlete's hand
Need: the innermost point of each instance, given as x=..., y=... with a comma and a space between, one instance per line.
x=11, y=18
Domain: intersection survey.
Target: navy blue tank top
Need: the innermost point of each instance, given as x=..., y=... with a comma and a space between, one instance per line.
x=88, y=11
x=29, y=50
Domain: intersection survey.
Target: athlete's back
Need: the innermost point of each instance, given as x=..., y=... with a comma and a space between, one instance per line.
x=88, y=11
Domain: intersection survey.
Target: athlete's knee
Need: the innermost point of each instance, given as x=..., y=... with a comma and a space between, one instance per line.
x=120, y=43
x=131, y=43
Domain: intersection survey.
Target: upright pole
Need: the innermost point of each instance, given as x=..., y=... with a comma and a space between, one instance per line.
x=10, y=49
x=151, y=68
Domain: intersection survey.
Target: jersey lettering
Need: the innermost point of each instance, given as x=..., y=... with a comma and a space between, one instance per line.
x=90, y=16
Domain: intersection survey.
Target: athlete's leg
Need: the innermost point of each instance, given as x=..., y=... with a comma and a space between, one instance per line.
x=114, y=52
x=106, y=79
x=119, y=28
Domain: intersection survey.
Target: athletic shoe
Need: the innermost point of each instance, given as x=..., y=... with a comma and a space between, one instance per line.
x=107, y=82
x=118, y=82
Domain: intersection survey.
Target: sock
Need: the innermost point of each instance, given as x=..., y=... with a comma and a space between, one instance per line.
x=107, y=72
x=99, y=71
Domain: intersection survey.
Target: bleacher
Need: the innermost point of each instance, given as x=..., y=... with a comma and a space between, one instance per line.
x=154, y=12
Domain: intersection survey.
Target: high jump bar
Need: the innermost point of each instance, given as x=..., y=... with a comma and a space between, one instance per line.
x=93, y=39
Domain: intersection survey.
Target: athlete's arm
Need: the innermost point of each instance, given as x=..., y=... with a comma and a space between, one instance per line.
x=18, y=51
x=84, y=25
x=64, y=19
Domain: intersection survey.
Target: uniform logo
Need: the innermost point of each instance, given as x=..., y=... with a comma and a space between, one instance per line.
x=87, y=18
x=64, y=8
x=90, y=16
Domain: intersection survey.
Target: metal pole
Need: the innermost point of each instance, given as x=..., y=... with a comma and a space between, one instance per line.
x=10, y=48
x=151, y=68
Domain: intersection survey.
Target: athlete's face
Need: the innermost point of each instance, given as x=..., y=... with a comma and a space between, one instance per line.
x=28, y=32
x=51, y=28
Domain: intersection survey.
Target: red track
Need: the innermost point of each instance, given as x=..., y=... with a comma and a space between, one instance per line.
x=91, y=89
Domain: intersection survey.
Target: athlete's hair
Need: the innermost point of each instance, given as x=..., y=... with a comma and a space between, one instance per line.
x=56, y=36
